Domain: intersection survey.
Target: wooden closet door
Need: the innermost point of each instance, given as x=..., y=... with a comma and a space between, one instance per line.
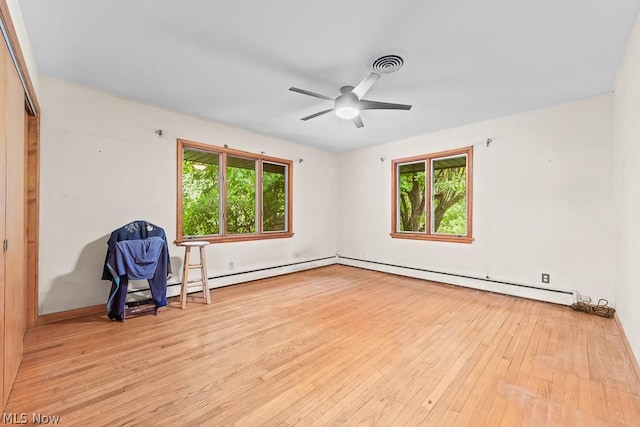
x=15, y=230
x=4, y=55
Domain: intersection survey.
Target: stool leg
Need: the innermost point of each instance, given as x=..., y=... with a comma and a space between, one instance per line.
x=185, y=278
x=205, y=277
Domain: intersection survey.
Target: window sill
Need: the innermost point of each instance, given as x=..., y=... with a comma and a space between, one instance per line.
x=435, y=238
x=237, y=238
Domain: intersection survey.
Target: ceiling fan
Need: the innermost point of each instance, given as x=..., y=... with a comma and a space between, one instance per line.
x=350, y=101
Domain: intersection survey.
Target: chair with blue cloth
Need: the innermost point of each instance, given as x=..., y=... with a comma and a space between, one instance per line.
x=136, y=251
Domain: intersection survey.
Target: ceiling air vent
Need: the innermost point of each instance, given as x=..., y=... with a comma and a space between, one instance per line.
x=387, y=64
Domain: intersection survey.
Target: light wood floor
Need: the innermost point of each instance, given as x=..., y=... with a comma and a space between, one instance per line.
x=334, y=346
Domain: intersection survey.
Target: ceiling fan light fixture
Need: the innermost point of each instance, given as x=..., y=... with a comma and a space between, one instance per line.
x=347, y=112
x=346, y=105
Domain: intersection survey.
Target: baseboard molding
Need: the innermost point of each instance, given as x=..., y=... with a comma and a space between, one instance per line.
x=524, y=291
x=627, y=346
x=72, y=314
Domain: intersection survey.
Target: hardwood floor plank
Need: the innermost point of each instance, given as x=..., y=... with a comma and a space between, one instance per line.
x=614, y=407
x=585, y=406
x=630, y=407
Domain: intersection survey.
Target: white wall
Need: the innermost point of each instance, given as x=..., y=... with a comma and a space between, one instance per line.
x=102, y=166
x=542, y=195
x=627, y=190
x=25, y=44
x=542, y=200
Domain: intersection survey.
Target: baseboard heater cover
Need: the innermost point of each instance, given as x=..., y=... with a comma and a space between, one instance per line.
x=556, y=296
x=249, y=275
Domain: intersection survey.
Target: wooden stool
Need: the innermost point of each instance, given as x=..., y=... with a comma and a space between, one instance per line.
x=203, y=271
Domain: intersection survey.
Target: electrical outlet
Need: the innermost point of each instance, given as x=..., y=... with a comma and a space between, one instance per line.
x=546, y=278
x=585, y=298
x=231, y=265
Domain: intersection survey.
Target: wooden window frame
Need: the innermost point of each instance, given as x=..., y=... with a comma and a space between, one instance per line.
x=224, y=152
x=427, y=234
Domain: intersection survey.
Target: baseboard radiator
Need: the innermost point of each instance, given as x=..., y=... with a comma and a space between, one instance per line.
x=232, y=278
x=556, y=296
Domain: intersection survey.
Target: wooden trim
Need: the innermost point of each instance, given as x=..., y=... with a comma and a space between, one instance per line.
x=289, y=198
x=33, y=217
x=231, y=151
x=224, y=152
x=470, y=192
x=222, y=203
x=446, y=153
x=428, y=158
x=180, y=161
x=394, y=198
x=428, y=184
x=17, y=49
x=259, y=191
x=71, y=314
x=238, y=237
x=627, y=346
x=433, y=237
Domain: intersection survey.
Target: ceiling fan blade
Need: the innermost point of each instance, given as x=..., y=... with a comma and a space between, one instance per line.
x=357, y=120
x=376, y=105
x=364, y=86
x=306, y=92
x=316, y=114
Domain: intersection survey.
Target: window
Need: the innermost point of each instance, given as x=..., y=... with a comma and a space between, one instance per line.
x=231, y=195
x=432, y=196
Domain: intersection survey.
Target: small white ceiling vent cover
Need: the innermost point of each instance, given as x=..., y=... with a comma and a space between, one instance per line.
x=387, y=64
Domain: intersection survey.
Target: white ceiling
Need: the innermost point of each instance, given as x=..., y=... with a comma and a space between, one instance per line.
x=233, y=61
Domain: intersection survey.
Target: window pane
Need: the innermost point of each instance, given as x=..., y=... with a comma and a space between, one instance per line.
x=200, y=193
x=274, y=193
x=449, y=207
x=411, y=197
x=241, y=195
